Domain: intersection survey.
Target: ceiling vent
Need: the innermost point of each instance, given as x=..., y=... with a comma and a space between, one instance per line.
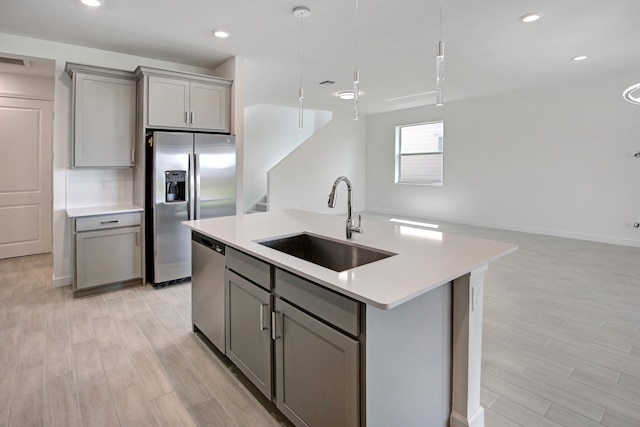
x=14, y=61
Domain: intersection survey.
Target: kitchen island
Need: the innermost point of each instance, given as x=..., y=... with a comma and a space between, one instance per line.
x=418, y=316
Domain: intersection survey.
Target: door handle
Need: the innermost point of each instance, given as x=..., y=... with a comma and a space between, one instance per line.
x=137, y=238
x=113, y=221
x=186, y=117
x=262, y=326
x=193, y=117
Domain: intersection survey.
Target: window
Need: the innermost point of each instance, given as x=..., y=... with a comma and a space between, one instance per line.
x=419, y=155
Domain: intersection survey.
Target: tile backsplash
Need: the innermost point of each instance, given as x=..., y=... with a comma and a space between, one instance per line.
x=98, y=187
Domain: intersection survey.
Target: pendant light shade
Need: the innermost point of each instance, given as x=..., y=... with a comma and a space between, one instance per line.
x=301, y=12
x=440, y=66
x=440, y=74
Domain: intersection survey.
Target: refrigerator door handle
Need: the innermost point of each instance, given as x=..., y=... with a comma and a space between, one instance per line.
x=196, y=178
x=192, y=189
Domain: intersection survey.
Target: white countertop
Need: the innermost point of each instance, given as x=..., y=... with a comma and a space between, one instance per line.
x=425, y=259
x=102, y=210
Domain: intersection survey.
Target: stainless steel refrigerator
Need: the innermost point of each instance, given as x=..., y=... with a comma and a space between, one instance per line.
x=189, y=176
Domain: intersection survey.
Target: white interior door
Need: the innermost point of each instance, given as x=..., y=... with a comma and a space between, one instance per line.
x=25, y=176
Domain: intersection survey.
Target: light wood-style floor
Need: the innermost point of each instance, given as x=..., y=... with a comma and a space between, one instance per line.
x=561, y=346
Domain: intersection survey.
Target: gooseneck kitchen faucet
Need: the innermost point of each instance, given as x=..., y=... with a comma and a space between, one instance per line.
x=351, y=227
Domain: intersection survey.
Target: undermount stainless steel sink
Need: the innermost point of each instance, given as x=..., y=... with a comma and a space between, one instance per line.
x=332, y=254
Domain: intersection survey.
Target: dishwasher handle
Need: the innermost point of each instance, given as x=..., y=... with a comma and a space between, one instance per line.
x=208, y=242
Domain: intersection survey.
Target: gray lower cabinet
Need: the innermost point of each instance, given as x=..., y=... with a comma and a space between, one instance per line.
x=317, y=370
x=248, y=330
x=107, y=250
x=307, y=344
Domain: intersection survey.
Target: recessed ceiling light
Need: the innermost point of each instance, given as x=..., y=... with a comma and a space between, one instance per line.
x=628, y=94
x=221, y=33
x=530, y=17
x=580, y=58
x=92, y=3
x=346, y=95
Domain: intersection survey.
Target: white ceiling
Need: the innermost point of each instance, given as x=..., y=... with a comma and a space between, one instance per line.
x=488, y=49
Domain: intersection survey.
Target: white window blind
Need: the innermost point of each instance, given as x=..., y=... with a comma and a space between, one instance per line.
x=419, y=153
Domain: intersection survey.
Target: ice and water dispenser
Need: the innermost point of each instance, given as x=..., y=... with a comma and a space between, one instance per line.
x=175, y=186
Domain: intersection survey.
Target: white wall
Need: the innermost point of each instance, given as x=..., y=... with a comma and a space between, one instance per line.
x=550, y=160
x=83, y=184
x=303, y=179
x=234, y=69
x=271, y=133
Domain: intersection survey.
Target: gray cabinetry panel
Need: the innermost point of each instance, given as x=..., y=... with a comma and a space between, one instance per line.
x=248, y=330
x=107, y=256
x=180, y=103
x=168, y=102
x=327, y=305
x=317, y=371
x=104, y=116
x=251, y=268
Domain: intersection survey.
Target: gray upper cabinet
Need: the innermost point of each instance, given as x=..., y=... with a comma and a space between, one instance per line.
x=186, y=101
x=104, y=116
x=168, y=102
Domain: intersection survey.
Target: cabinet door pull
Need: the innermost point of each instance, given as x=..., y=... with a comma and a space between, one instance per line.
x=186, y=117
x=274, y=318
x=193, y=116
x=137, y=238
x=262, y=326
x=133, y=155
x=113, y=221
x=273, y=326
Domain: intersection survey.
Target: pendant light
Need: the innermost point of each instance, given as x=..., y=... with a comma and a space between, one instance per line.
x=301, y=12
x=440, y=66
x=356, y=75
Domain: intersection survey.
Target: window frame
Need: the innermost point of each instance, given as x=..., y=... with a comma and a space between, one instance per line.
x=399, y=155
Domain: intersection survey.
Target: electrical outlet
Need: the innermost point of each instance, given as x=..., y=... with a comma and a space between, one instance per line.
x=103, y=185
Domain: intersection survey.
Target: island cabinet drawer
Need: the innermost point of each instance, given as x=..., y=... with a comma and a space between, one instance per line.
x=327, y=305
x=100, y=222
x=259, y=272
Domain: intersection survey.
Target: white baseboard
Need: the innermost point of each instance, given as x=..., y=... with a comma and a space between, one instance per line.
x=62, y=281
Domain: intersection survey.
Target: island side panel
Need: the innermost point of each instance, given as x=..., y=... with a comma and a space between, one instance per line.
x=467, y=350
x=408, y=362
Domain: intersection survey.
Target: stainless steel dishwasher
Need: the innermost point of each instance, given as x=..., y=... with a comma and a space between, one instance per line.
x=207, y=288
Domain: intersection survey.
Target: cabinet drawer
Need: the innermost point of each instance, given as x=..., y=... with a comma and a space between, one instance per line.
x=100, y=222
x=251, y=268
x=323, y=303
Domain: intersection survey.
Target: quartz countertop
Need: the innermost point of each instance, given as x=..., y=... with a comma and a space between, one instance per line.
x=425, y=258
x=102, y=210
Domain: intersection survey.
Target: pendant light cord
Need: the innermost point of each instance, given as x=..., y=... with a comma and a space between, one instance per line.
x=356, y=73
x=301, y=47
